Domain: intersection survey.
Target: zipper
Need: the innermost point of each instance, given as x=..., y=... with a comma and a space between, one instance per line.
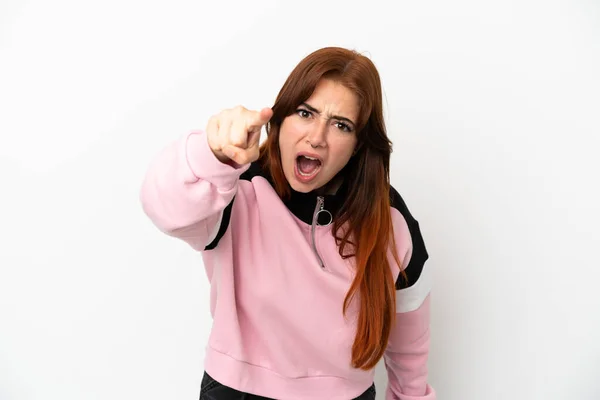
x=319, y=208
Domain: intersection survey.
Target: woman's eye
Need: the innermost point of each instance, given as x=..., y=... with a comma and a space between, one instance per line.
x=344, y=127
x=303, y=113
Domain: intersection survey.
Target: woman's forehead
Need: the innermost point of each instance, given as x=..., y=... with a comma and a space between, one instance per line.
x=331, y=98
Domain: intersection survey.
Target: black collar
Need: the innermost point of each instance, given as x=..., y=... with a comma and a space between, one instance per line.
x=304, y=205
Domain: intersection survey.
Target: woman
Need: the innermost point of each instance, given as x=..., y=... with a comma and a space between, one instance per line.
x=315, y=263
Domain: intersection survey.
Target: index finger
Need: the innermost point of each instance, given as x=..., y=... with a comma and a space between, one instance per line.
x=258, y=119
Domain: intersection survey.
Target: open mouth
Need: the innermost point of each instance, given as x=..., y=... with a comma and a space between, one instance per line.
x=307, y=167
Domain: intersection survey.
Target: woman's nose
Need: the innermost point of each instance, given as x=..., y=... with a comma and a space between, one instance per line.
x=317, y=136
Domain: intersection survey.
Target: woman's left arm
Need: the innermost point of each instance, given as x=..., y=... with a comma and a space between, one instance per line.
x=407, y=354
x=407, y=350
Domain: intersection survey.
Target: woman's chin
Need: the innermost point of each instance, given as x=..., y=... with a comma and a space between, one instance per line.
x=301, y=186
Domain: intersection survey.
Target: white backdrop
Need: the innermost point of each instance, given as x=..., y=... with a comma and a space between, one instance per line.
x=494, y=111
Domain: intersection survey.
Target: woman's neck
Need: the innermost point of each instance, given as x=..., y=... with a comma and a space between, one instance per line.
x=331, y=187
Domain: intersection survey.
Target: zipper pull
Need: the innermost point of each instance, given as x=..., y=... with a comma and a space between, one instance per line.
x=323, y=212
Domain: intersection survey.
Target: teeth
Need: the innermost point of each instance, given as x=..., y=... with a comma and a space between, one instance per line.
x=310, y=158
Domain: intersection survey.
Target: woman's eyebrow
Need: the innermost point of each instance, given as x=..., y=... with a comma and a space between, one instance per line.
x=339, y=117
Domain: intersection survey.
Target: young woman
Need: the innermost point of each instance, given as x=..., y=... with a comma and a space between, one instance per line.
x=316, y=264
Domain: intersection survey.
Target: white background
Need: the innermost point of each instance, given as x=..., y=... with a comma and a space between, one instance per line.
x=494, y=111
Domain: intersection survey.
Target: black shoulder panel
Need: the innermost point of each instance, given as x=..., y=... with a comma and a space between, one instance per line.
x=419, y=252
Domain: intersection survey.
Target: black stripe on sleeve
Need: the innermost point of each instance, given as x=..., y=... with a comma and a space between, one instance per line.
x=253, y=171
x=419, y=252
x=223, y=227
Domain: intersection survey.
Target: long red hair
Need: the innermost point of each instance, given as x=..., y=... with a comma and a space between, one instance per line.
x=363, y=228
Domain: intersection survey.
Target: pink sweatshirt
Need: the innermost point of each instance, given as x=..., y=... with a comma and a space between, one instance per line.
x=278, y=282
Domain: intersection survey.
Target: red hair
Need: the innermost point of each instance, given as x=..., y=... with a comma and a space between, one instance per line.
x=363, y=228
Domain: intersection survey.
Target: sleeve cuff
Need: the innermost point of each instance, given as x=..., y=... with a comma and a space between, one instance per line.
x=206, y=166
x=430, y=394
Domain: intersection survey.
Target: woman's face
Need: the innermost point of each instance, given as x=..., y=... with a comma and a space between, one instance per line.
x=317, y=140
